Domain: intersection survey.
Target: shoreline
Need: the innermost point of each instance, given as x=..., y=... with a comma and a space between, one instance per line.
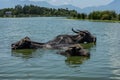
x=110, y=21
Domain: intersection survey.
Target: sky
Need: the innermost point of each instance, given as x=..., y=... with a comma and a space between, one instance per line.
x=78, y=3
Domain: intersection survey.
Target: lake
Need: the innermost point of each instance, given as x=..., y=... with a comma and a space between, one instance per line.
x=44, y=64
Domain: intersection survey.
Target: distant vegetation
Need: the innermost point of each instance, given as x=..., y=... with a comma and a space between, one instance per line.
x=31, y=10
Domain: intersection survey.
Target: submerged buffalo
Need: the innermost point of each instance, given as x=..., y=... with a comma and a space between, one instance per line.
x=80, y=37
x=75, y=50
x=66, y=42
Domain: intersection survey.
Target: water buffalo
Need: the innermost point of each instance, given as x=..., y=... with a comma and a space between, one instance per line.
x=26, y=43
x=80, y=37
x=70, y=49
x=60, y=42
x=75, y=50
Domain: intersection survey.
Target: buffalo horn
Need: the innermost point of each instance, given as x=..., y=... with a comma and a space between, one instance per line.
x=74, y=31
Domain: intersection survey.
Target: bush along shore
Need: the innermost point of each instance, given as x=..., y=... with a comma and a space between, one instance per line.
x=37, y=11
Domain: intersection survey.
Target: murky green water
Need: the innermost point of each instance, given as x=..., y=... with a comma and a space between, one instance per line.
x=43, y=64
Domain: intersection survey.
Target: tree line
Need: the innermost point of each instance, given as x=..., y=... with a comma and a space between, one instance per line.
x=32, y=10
x=99, y=15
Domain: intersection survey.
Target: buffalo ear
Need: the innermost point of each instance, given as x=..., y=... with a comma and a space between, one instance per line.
x=82, y=34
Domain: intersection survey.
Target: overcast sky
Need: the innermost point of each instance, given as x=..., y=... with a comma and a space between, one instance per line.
x=78, y=3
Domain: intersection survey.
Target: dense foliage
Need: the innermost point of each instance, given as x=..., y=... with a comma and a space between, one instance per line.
x=31, y=10
x=103, y=15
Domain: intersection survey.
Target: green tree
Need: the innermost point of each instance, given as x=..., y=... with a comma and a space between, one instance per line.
x=79, y=16
x=95, y=15
x=73, y=13
x=26, y=9
x=83, y=16
x=118, y=16
x=106, y=17
x=1, y=13
x=18, y=10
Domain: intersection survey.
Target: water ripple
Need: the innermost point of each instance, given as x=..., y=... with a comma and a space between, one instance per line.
x=45, y=64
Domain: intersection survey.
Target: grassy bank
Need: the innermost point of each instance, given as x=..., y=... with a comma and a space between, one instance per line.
x=111, y=21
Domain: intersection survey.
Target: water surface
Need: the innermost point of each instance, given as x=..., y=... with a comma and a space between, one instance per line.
x=43, y=64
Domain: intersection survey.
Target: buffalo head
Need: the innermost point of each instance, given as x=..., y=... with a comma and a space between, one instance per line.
x=24, y=43
x=84, y=36
x=75, y=50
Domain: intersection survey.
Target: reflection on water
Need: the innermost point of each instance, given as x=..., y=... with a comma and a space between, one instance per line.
x=29, y=53
x=88, y=45
x=24, y=53
x=43, y=64
x=76, y=60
